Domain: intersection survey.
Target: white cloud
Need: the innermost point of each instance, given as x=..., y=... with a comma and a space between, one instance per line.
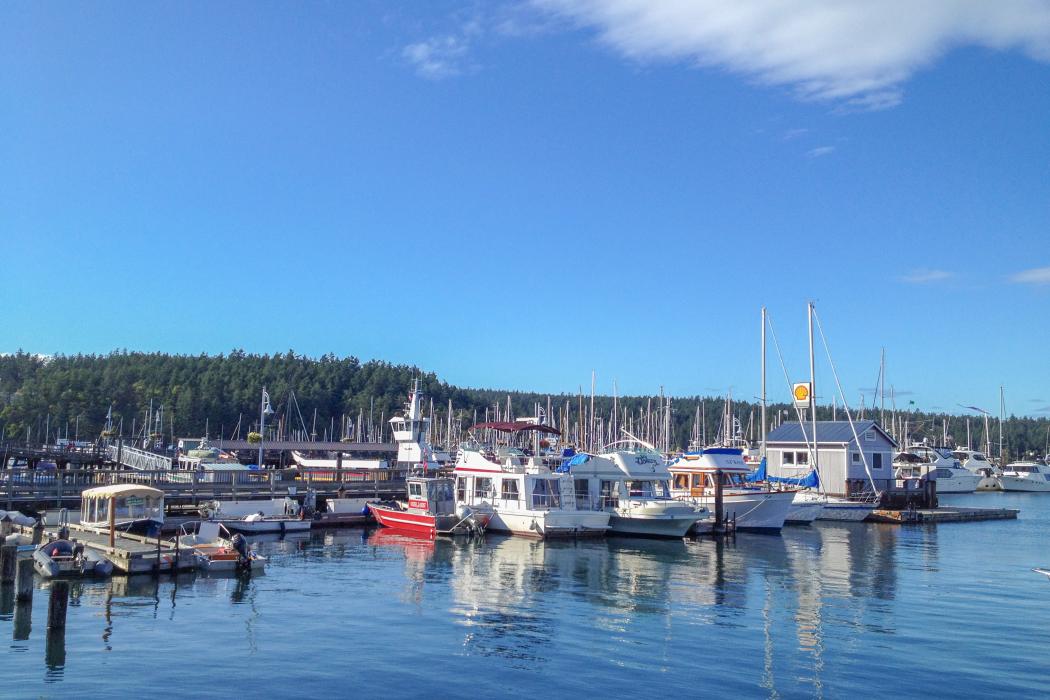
x=820, y=151
x=438, y=57
x=792, y=134
x=1038, y=275
x=856, y=52
x=926, y=276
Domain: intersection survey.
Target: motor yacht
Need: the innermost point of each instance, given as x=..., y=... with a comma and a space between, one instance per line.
x=1025, y=475
x=924, y=461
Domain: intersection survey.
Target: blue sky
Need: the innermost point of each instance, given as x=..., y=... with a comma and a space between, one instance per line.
x=516, y=194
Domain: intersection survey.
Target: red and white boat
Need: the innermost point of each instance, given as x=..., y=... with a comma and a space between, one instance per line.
x=430, y=510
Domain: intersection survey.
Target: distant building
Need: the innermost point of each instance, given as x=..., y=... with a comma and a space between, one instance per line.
x=840, y=459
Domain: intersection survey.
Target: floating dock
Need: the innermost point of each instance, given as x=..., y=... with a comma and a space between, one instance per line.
x=130, y=554
x=943, y=514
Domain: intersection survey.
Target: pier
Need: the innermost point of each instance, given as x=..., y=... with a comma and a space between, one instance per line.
x=942, y=514
x=130, y=554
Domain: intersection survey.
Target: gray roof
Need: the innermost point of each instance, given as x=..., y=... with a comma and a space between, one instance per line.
x=838, y=431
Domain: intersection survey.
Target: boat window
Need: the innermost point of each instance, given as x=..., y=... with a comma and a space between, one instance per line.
x=979, y=457
x=545, y=493
x=610, y=494
x=583, y=494
x=681, y=481
x=440, y=490
x=461, y=489
x=509, y=490
x=698, y=481
x=415, y=489
x=788, y=458
x=482, y=487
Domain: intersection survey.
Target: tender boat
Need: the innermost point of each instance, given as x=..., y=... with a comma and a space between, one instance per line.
x=633, y=486
x=69, y=558
x=1025, y=475
x=430, y=510
x=938, y=463
x=218, y=550
x=752, y=507
x=519, y=491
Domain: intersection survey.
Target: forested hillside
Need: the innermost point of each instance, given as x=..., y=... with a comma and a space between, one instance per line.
x=220, y=392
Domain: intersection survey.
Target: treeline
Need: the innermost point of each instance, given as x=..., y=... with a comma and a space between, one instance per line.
x=72, y=394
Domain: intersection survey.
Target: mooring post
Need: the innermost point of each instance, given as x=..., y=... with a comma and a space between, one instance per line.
x=24, y=581
x=8, y=560
x=719, y=503
x=55, y=643
x=23, y=620
x=38, y=531
x=57, y=604
x=7, y=526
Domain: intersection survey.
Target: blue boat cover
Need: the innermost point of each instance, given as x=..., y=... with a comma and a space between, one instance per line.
x=810, y=481
x=573, y=461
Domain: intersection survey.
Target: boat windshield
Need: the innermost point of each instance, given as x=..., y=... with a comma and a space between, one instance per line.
x=648, y=489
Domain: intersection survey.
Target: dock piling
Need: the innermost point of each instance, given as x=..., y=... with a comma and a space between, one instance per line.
x=24, y=581
x=23, y=624
x=57, y=605
x=8, y=559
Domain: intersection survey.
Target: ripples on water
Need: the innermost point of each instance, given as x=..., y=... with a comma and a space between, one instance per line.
x=832, y=610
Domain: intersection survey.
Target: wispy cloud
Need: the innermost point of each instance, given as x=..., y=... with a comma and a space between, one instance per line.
x=438, y=57
x=926, y=276
x=1038, y=275
x=856, y=53
x=792, y=134
x=820, y=151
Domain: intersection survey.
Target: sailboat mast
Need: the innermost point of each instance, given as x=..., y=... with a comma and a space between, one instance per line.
x=813, y=389
x=763, y=381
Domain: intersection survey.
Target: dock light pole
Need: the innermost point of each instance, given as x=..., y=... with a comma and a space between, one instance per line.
x=264, y=410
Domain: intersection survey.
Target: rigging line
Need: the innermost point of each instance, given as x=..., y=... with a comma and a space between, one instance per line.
x=845, y=404
x=798, y=411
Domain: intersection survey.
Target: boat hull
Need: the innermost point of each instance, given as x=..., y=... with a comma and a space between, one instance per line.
x=656, y=526
x=259, y=527
x=846, y=511
x=1016, y=483
x=755, y=510
x=545, y=524
x=959, y=484
x=804, y=513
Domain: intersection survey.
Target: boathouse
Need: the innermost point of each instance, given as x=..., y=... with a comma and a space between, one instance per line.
x=840, y=455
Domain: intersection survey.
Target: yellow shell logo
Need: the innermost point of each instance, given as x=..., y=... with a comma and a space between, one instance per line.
x=801, y=392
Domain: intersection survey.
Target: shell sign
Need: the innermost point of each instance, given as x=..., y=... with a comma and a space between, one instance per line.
x=801, y=393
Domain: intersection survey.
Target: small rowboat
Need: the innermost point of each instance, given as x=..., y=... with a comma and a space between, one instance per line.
x=431, y=510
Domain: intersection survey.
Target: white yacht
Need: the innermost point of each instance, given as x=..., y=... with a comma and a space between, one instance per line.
x=938, y=463
x=980, y=465
x=633, y=486
x=752, y=507
x=1025, y=475
x=519, y=491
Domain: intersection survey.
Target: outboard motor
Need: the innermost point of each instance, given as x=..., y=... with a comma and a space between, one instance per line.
x=240, y=545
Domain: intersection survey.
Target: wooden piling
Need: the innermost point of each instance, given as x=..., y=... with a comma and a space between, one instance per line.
x=57, y=604
x=8, y=560
x=38, y=531
x=23, y=623
x=719, y=504
x=24, y=581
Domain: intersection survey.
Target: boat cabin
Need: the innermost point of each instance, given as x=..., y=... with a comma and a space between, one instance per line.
x=432, y=495
x=695, y=474
x=126, y=507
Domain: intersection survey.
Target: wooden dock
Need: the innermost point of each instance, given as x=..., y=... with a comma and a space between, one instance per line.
x=942, y=514
x=130, y=554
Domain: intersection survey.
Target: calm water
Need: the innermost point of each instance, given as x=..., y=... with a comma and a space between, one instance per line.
x=823, y=611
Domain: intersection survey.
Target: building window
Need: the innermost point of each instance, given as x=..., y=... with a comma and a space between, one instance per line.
x=876, y=461
x=789, y=458
x=856, y=457
x=802, y=458
x=869, y=436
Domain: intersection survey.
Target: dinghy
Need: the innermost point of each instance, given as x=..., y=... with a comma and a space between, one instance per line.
x=69, y=558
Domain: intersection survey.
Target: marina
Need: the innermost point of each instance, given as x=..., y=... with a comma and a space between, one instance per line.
x=825, y=610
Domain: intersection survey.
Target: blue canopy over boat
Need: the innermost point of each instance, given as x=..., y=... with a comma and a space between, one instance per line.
x=577, y=459
x=811, y=480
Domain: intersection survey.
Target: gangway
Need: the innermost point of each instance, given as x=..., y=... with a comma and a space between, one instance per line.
x=141, y=460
